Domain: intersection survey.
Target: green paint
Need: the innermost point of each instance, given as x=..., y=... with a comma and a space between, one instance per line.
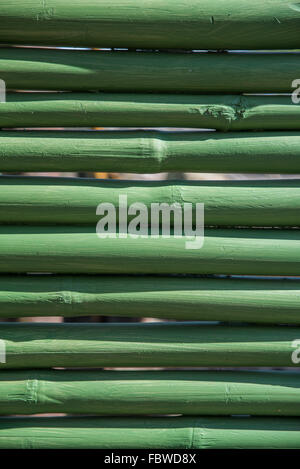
x=159, y=432
x=42, y=200
x=149, y=392
x=153, y=24
x=71, y=249
x=261, y=301
x=150, y=152
x=190, y=344
x=228, y=112
x=46, y=69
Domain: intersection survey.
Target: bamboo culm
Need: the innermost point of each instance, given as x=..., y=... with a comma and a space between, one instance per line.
x=153, y=25
x=150, y=392
x=221, y=112
x=150, y=152
x=73, y=70
x=71, y=249
x=149, y=432
x=190, y=344
x=43, y=200
x=183, y=298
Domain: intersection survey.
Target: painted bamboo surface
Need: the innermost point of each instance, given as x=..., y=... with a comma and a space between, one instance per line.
x=156, y=432
x=257, y=301
x=178, y=344
x=227, y=112
x=46, y=69
x=153, y=24
x=151, y=392
x=150, y=152
x=39, y=200
x=71, y=249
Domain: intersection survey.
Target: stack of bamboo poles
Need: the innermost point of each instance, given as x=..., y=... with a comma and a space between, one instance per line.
x=48, y=243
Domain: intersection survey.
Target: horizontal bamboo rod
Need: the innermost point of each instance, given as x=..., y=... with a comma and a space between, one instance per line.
x=43, y=200
x=261, y=301
x=150, y=152
x=46, y=69
x=149, y=432
x=227, y=112
x=178, y=344
x=151, y=392
x=156, y=24
x=70, y=249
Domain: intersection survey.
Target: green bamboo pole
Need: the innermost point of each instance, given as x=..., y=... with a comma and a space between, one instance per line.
x=150, y=152
x=151, y=392
x=46, y=69
x=153, y=24
x=156, y=432
x=228, y=112
x=258, y=301
x=190, y=344
x=39, y=200
x=71, y=249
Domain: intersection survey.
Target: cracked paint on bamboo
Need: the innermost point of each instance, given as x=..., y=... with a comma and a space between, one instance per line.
x=189, y=344
x=221, y=112
x=155, y=24
x=133, y=393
